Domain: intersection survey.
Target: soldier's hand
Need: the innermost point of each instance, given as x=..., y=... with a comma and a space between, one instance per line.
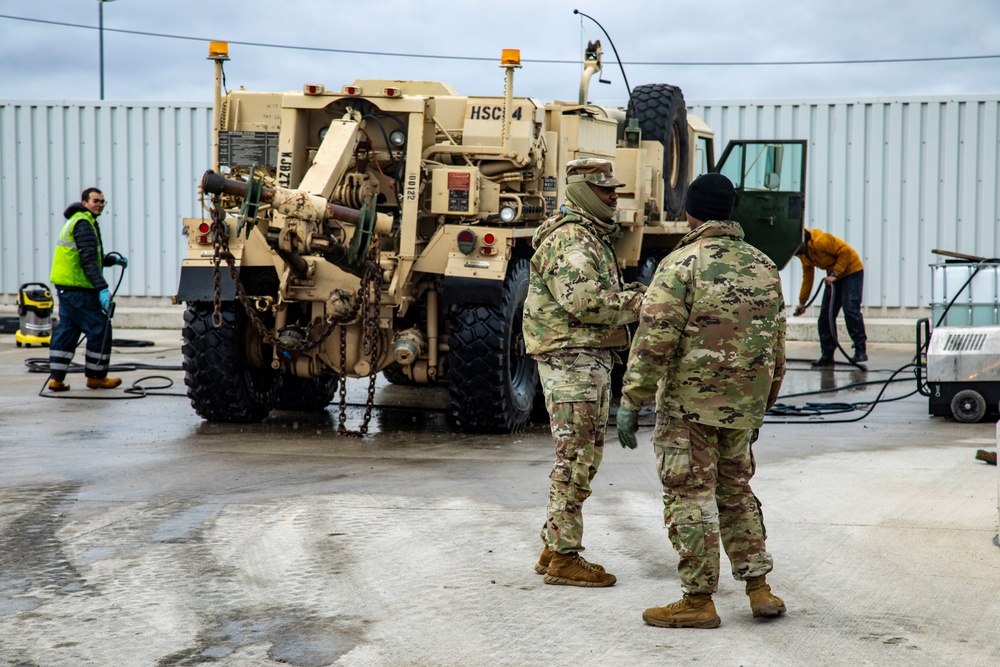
x=628, y=423
x=636, y=287
x=799, y=310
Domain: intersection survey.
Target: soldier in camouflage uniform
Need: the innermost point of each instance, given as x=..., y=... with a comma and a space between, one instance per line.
x=711, y=344
x=574, y=317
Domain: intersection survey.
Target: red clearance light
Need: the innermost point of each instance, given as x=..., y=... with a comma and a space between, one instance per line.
x=313, y=89
x=203, y=240
x=203, y=228
x=392, y=92
x=489, y=251
x=489, y=239
x=352, y=90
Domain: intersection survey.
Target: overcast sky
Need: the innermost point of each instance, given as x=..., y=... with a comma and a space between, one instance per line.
x=49, y=49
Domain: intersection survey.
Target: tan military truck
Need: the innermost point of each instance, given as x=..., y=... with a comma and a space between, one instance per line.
x=385, y=226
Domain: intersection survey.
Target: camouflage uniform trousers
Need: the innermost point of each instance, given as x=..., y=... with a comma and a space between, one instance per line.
x=705, y=471
x=577, y=388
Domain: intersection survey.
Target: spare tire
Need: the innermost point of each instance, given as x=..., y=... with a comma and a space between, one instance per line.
x=662, y=116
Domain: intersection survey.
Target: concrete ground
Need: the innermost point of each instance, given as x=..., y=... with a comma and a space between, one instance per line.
x=133, y=534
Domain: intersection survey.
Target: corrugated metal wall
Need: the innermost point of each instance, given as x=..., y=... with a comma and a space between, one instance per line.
x=895, y=178
x=147, y=159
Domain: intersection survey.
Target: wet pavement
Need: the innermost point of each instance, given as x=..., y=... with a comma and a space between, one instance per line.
x=133, y=533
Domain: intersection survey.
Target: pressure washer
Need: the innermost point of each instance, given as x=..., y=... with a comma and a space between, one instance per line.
x=958, y=366
x=34, y=308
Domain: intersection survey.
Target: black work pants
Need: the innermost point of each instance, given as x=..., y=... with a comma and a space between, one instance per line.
x=844, y=294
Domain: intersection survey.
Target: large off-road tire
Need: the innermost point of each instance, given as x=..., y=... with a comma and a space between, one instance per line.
x=492, y=379
x=395, y=375
x=221, y=385
x=297, y=394
x=663, y=117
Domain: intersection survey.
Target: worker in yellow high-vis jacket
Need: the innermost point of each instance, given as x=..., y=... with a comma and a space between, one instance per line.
x=84, y=298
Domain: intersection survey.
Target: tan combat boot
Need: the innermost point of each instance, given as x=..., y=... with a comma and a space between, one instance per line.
x=58, y=385
x=572, y=570
x=762, y=601
x=691, y=611
x=542, y=566
x=103, y=383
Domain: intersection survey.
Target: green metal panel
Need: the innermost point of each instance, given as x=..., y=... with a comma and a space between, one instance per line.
x=770, y=179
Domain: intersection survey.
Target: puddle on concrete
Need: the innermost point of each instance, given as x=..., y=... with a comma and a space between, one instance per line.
x=291, y=637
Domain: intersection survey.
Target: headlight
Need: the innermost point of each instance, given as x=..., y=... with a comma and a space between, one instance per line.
x=322, y=132
x=397, y=138
x=508, y=213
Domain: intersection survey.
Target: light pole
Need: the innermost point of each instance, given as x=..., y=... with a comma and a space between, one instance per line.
x=100, y=30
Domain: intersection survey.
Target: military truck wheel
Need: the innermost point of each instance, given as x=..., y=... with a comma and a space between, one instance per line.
x=395, y=375
x=647, y=268
x=492, y=379
x=305, y=394
x=663, y=117
x=221, y=386
x=968, y=406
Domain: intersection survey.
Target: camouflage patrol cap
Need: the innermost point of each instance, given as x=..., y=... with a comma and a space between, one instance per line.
x=593, y=170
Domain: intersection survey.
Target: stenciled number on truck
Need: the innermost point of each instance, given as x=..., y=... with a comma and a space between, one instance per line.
x=285, y=170
x=490, y=112
x=411, y=187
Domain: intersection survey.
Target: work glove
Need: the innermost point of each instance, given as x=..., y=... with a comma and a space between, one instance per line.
x=105, y=297
x=121, y=261
x=628, y=423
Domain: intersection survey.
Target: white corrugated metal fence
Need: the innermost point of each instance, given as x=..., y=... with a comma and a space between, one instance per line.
x=147, y=159
x=895, y=178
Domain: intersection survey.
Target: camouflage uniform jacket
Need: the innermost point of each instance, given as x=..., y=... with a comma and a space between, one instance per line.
x=575, y=292
x=711, y=332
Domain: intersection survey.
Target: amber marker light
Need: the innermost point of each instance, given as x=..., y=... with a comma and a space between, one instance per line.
x=510, y=57
x=218, y=50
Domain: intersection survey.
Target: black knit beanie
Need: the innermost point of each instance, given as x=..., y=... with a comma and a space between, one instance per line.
x=710, y=197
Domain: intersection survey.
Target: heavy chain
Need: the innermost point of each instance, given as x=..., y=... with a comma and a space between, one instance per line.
x=220, y=243
x=220, y=234
x=371, y=291
x=368, y=303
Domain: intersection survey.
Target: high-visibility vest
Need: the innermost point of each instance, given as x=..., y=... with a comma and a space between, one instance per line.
x=66, y=268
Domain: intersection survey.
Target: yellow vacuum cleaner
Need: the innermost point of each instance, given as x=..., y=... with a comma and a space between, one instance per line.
x=34, y=306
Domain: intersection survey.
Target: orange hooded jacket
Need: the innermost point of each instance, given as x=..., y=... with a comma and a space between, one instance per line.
x=828, y=253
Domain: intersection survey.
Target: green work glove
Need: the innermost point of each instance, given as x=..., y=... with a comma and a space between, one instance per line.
x=628, y=423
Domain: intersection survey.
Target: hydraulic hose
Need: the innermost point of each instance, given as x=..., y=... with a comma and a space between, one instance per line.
x=137, y=390
x=832, y=320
